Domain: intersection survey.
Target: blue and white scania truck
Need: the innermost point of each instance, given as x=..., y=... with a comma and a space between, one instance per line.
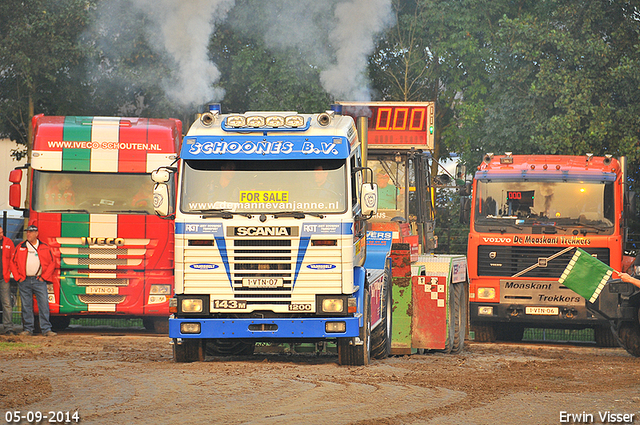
x=270, y=212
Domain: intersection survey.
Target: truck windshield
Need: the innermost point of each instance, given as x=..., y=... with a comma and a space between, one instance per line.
x=390, y=178
x=93, y=193
x=264, y=186
x=531, y=202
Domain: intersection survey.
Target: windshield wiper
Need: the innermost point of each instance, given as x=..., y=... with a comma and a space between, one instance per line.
x=215, y=212
x=591, y=226
x=296, y=214
x=69, y=210
x=219, y=212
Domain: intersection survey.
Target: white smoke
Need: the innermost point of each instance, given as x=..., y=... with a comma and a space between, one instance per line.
x=182, y=29
x=357, y=22
x=335, y=36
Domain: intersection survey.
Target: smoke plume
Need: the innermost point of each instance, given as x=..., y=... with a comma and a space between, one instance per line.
x=335, y=36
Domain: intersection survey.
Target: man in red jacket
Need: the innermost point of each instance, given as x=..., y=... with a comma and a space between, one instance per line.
x=32, y=266
x=6, y=251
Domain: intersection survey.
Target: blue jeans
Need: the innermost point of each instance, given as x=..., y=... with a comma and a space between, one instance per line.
x=29, y=287
x=5, y=300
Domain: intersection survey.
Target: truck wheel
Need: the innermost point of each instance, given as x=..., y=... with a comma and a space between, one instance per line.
x=484, y=332
x=191, y=350
x=358, y=355
x=605, y=337
x=460, y=318
x=629, y=334
x=229, y=347
x=381, y=335
x=59, y=323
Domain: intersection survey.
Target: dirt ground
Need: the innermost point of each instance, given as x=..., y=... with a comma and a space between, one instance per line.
x=115, y=377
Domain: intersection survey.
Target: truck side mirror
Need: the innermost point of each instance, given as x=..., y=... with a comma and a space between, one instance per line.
x=164, y=192
x=369, y=199
x=18, y=188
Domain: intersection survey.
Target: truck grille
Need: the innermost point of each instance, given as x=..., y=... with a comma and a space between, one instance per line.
x=262, y=259
x=509, y=260
x=101, y=299
x=102, y=281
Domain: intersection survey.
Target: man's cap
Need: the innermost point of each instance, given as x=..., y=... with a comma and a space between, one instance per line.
x=32, y=228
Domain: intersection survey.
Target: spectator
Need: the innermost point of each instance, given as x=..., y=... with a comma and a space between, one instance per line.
x=32, y=266
x=6, y=248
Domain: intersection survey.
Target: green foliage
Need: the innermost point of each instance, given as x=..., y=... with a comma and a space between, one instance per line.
x=124, y=73
x=568, y=81
x=40, y=58
x=546, y=77
x=256, y=77
x=262, y=69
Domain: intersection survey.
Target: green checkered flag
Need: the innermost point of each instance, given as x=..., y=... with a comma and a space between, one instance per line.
x=586, y=275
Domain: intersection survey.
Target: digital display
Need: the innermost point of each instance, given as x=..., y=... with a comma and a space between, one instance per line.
x=514, y=195
x=400, y=125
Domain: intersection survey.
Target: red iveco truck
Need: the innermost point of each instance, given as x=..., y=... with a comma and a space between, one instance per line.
x=87, y=186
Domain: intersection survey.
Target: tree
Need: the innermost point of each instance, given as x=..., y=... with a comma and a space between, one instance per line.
x=568, y=80
x=256, y=77
x=40, y=58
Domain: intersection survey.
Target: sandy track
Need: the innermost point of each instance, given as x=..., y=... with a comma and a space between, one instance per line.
x=130, y=378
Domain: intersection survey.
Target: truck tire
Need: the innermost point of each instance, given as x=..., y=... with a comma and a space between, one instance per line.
x=381, y=335
x=605, y=337
x=460, y=318
x=484, y=332
x=229, y=347
x=191, y=350
x=59, y=323
x=629, y=334
x=358, y=355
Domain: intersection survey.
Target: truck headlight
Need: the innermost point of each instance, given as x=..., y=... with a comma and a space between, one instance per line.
x=486, y=293
x=190, y=327
x=190, y=305
x=485, y=311
x=335, y=327
x=332, y=305
x=160, y=290
x=157, y=299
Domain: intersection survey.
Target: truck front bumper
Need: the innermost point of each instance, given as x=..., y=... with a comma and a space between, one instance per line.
x=565, y=316
x=255, y=328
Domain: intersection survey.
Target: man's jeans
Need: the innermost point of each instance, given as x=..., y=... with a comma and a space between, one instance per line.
x=28, y=288
x=5, y=299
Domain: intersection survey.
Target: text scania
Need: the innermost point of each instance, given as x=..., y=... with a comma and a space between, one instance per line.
x=262, y=148
x=262, y=231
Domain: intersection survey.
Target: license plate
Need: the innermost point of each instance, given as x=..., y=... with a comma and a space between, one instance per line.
x=262, y=282
x=99, y=290
x=542, y=311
